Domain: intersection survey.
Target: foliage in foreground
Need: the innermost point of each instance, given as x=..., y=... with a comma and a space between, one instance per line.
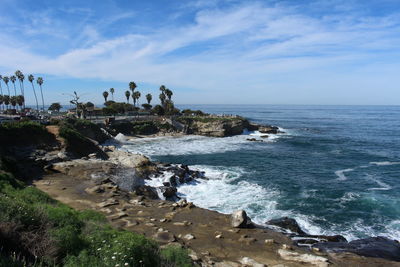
x=23, y=132
x=36, y=230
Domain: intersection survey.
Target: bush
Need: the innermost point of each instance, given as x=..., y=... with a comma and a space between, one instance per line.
x=44, y=232
x=177, y=256
x=24, y=133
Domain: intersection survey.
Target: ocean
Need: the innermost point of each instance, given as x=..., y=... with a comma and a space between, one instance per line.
x=336, y=169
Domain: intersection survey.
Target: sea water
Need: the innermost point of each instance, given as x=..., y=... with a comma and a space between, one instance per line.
x=336, y=169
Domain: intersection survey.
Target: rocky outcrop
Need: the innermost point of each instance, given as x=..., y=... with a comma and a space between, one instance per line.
x=287, y=223
x=301, y=237
x=378, y=247
x=217, y=127
x=239, y=219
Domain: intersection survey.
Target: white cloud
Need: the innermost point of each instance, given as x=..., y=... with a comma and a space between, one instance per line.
x=248, y=44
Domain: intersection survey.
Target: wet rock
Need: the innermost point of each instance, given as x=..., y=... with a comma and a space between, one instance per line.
x=287, y=223
x=268, y=129
x=303, y=258
x=168, y=191
x=239, y=219
x=172, y=180
x=147, y=191
x=377, y=247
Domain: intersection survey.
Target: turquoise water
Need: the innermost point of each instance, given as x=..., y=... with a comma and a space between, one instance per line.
x=336, y=170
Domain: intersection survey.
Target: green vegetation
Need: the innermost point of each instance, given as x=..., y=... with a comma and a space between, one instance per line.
x=55, y=107
x=141, y=127
x=36, y=230
x=24, y=132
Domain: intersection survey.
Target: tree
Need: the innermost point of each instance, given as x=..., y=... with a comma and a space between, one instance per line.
x=147, y=106
x=158, y=110
x=112, y=90
x=149, y=97
x=13, y=101
x=127, y=95
x=1, y=101
x=20, y=101
x=6, y=80
x=136, y=97
x=78, y=105
x=40, y=82
x=21, y=78
x=105, y=95
x=6, y=100
x=162, y=88
x=1, y=92
x=168, y=93
x=30, y=79
x=132, y=86
x=55, y=107
x=162, y=99
x=13, y=79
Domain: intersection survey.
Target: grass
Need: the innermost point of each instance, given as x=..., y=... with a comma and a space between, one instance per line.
x=36, y=230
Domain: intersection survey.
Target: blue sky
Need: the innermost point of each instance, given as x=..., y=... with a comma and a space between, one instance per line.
x=208, y=51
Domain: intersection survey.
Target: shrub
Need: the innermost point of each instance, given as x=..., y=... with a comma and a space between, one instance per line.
x=32, y=224
x=177, y=256
x=24, y=133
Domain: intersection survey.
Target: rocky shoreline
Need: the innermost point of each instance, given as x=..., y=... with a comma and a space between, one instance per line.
x=122, y=179
x=115, y=183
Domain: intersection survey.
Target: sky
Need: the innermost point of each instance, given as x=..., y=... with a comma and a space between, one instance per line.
x=207, y=51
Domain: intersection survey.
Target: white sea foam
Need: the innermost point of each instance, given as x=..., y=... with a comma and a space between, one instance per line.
x=385, y=163
x=120, y=138
x=341, y=174
x=383, y=186
x=194, y=144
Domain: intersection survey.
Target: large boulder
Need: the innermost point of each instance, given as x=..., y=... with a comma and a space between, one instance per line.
x=239, y=219
x=377, y=247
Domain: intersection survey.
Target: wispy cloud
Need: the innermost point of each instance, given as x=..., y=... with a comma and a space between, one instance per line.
x=221, y=46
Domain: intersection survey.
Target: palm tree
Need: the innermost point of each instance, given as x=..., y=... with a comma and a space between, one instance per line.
x=31, y=79
x=21, y=78
x=6, y=100
x=137, y=96
x=127, y=95
x=6, y=80
x=13, y=79
x=162, y=88
x=162, y=98
x=112, y=90
x=20, y=100
x=1, y=93
x=132, y=86
x=13, y=101
x=168, y=93
x=40, y=82
x=149, y=97
x=105, y=95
